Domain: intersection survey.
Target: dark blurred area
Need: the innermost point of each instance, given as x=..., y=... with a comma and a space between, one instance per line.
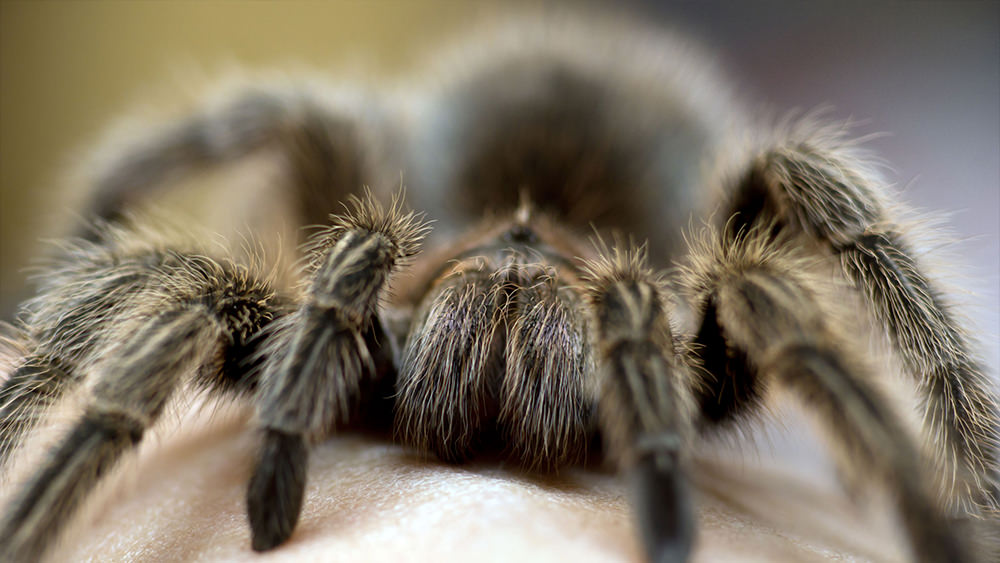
x=926, y=73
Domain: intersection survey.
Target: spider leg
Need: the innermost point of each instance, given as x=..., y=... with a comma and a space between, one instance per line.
x=84, y=295
x=768, y=327
x=317, y=357
x=818, y=187
x=322, y=146
x=83, y=291
x=128, y=399
x=130, y=395
x=25, y=396
x=186, y=311
x=644, y=404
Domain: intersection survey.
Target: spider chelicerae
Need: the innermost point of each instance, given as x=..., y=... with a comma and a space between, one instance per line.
x=522, y=332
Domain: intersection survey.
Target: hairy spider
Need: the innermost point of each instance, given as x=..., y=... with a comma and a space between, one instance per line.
x=513, y=334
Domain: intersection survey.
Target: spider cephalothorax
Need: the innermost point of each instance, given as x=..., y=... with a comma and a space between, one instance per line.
x=514, y=332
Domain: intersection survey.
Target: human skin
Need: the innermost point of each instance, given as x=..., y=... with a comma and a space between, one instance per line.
x=181, y=498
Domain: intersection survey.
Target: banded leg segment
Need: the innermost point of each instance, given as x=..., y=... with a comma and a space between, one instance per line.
x=644, y=401
x=134, y=387
x=25, y=397
x=65, y=328
x=143, y=321
x=817, y=187
x=78, y=315
x=768, y=319
x=317, y=357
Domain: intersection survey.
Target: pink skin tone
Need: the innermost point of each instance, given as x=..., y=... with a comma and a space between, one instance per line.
x=181, y=498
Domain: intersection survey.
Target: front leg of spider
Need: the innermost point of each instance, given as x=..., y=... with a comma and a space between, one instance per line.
x=317, y=357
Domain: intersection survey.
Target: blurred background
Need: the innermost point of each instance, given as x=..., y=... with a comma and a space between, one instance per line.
x=926, y=73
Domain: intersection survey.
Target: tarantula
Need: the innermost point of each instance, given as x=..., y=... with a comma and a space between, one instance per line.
x=514, y=333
